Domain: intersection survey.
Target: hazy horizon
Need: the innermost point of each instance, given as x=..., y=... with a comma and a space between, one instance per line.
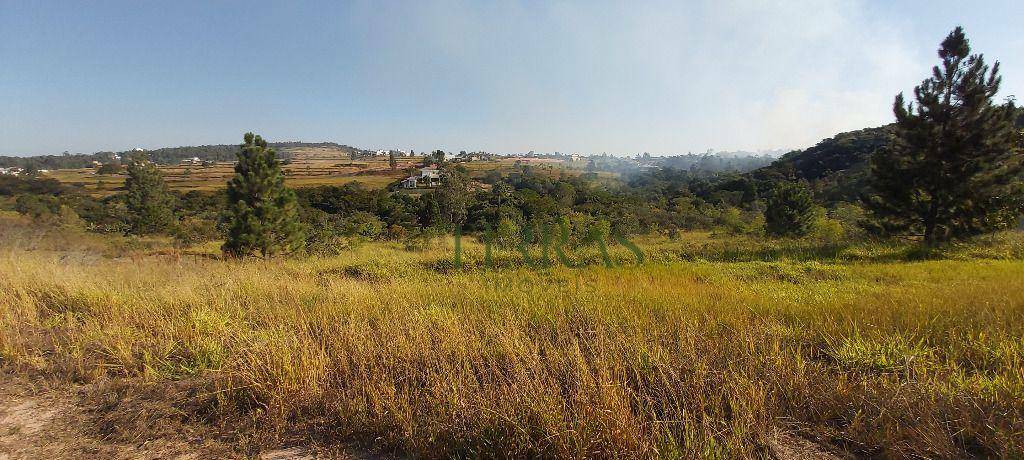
x=664, y=78
x=761, y=152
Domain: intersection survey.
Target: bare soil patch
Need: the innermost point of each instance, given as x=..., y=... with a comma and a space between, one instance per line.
x=42, y=419
x=46, y=420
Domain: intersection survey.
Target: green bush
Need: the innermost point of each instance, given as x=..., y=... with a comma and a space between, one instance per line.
x=38, y=207
x=826, y=229
x=193, y=230
x=508, y=234
x=362, y=224
x=790, y=210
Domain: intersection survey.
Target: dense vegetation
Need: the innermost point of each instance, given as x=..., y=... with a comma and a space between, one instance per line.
x=836, y=167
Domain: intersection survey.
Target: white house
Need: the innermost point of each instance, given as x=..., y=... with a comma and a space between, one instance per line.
x=428, y=177
x=192, y=161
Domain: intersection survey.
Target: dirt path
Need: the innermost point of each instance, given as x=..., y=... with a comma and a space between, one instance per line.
x=784, y=446
x=38, y=420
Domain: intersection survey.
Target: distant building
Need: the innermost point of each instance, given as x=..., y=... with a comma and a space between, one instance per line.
x=387, y=153
x=427, y=178
x=194, y=161
x=575, y=157
x=472, y=156
x=13, y=171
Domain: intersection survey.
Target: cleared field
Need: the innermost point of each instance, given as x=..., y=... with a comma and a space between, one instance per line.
x=308, y=169
x=713, y=348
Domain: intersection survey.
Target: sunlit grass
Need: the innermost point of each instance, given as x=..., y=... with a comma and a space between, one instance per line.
x=705, y=350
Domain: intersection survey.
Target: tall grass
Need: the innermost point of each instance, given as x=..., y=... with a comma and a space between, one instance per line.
x=680, y=357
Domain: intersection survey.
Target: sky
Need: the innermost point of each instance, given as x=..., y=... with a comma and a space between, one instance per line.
x=585, y=76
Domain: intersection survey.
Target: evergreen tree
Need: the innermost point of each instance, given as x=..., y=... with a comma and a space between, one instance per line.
x=790, y=210
x=150, y=205
x=392, y=161
x=262, y=212
x=453, y=197
x=951, y=168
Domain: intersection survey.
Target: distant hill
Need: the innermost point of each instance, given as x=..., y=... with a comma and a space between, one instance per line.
x=173, y=155
x=837, y=167
x=844, y=151
x=226, y=152
x=715, y=162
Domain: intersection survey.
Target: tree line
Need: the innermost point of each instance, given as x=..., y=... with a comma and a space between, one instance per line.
x=950, y=167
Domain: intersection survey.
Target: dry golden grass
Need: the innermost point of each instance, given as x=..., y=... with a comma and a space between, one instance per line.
x=673, y=358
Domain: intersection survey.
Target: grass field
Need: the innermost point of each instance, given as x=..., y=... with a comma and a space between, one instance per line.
x=711, y=349
x=213, y=177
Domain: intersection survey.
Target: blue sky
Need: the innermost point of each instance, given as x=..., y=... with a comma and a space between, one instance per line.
x=589, y=76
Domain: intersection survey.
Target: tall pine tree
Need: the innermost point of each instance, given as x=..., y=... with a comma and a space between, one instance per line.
x=262, y=212
x=150, y=204
x=952, y=168
x=790, y=210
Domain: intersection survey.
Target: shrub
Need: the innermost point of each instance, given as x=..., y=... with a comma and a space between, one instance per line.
x=599, y=231
x=192, y=231
x=109, y=168
x=851, y=217
x=826, y=229
x=37, y=206
x=790, y=210
x=362, y=224
x=507, y=234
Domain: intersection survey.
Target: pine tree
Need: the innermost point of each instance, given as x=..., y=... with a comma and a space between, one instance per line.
x=150, y=204
x=452, y=197
x=392, y=161
x=790, y=210
x=262, y=212
x=952, y=168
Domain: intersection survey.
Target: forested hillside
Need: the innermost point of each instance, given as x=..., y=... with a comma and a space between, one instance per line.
x=836, y=168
